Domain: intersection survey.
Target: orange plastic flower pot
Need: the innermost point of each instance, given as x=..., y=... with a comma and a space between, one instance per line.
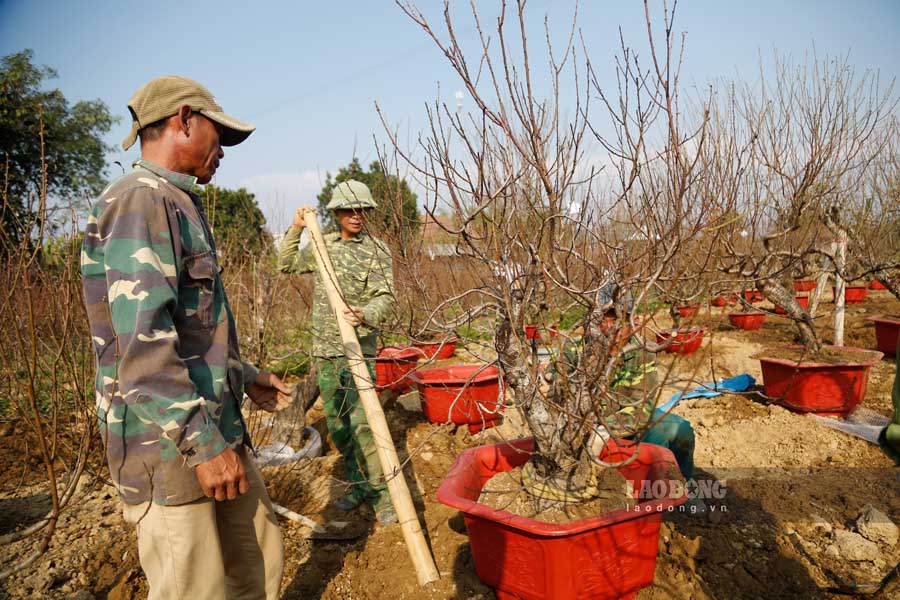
x=801, y=300
x=687, y=341
x=609, y=556
x=854, y=294
x=887, y=331
x=470, y=395
x=534, y=332
x=825, y=389
x=749, y=321
x=687, y=310
x=752, y=295
x=437, y=350
x=392, y=367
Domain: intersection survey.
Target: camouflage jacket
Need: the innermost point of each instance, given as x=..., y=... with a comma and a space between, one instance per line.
x=170, y=379
x=366, y=280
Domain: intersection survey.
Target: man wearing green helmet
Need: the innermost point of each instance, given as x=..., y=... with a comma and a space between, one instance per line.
x=364, y=271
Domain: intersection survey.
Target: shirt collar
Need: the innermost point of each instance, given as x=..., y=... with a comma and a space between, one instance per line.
x=188, y=183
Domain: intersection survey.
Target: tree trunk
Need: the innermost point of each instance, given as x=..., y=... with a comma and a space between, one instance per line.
x=561, y=456
x=780, y=296
x=839, y=288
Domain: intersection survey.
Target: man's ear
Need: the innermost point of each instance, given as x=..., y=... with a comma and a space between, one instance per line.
x=184, y=115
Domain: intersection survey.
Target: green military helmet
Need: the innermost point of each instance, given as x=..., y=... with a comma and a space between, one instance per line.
x=349, y=195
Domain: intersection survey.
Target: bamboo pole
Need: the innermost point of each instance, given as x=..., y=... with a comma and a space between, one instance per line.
x=426, y=570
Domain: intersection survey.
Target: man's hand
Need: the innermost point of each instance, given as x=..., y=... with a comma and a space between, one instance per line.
x=354, y=316
x=299, y=215
x=223, y=476
x=265, y=389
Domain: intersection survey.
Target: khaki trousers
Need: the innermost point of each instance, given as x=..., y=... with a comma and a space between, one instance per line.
x=211, y=550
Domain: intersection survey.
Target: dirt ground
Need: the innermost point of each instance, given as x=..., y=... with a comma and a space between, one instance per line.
x=785, y=528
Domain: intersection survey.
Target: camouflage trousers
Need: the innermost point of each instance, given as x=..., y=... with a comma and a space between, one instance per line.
x=350, y=431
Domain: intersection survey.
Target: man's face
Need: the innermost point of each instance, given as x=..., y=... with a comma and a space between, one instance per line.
x=202, y=151
x=351, y=221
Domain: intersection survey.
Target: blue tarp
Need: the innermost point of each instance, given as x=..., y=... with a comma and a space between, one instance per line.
x=738, y=383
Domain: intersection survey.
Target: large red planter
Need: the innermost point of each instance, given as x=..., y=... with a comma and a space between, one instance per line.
x=801, y=300
x=687, y=341
x=470, y=395
x=826, y=389
x=688, y=310
x=437, y=350
x=887, y=330
x=723, y=299
x=804, y=285
x=749, y=321
x=598, y=558
x=392, y=367
x=876, y=285
x=534, y=332
x=853, y=294
x=752, y=295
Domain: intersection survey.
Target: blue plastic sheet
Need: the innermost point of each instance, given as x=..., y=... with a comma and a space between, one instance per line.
x=738, y=383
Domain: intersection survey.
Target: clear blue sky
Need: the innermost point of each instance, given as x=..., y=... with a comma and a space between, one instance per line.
x=307, y=73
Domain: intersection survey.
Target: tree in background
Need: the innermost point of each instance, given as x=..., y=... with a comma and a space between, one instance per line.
x=72, y=146
x=239, y=224
x=397, y=212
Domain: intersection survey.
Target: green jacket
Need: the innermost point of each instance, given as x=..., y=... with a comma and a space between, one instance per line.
x=170, y=379
x=365, y=277
x=890, y=435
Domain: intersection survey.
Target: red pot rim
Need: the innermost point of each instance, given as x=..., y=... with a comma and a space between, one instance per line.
x=395, y=353
x=751, y=313
x=447, y=342
x=893, y=320
x=851, y=287
x=683, y=330
x=532, y=526
x=875, y=354
x=456, y=375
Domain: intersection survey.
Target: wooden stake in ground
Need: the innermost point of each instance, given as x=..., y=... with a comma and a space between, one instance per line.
x=426, y=571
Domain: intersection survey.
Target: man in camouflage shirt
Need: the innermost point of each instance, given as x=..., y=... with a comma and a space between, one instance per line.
x=365, y=277
x=170, y=379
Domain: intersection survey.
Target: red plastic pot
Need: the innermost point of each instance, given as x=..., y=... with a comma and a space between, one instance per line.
x=688, y=310
x=437, y=350
x=723, y=299
x=534, y=332
x=876, y=285
x=748, y=321
x=853, y=294
x=826, y=389
x=392, y=367
x=752, y=295
x=887, y=330
x=469, y=395
x=598, y=558
x=802, y=300
x=804, y=285
x=687, y=341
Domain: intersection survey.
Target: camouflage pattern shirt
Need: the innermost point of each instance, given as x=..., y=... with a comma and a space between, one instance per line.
x=366, y=280
x=170, y=379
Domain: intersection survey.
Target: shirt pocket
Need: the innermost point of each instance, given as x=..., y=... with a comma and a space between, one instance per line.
x=198, y=290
